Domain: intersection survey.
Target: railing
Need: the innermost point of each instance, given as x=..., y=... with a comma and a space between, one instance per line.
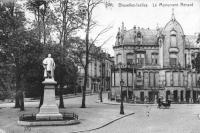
x=27, y=117
x=32, y=117
x=70, y=115
x=137, y=65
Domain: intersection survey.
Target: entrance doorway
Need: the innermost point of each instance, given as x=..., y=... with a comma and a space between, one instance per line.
x=194, y=96
x=175, y=95
x=142, y=96
x=187, y=96
x=182, y=96
x=167, y=95
x=152, y=96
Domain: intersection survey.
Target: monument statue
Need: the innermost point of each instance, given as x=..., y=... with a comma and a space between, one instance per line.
x=49, y=109
x=49, y=67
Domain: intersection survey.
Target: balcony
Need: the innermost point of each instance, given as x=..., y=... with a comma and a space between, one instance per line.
x=173, y=50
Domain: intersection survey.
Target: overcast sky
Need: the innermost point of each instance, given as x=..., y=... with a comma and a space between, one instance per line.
x=142, y=13
x=145, y=14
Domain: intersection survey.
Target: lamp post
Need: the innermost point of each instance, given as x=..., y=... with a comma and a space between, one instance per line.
x=121, y=84
x=121, y=106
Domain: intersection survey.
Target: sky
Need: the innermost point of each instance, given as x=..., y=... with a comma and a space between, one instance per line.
x=144, y=14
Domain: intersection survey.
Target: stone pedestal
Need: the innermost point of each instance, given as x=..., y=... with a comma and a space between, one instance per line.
x=49, y=109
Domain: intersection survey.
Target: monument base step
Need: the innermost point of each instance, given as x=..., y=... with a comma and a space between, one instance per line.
x=41, y=116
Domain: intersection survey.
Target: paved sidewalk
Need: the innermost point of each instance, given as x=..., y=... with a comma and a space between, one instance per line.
x=113, y=102
x=30, y=102
x=95, y=116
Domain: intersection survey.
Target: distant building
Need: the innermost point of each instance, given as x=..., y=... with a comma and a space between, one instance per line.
x=155, y=63
x=99, y=71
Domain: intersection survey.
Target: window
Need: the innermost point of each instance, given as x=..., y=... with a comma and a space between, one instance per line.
x=140, y=59
x=172, y=61
x=129, y=58
x=173, y=38
x=154, y=58
x=139, y=75
x=173, y=41
x=146, y=80
x=119, y=58
x=156, y=79
x=152, y=79
x=175, y=79
x=139, y=38
x=168, y=78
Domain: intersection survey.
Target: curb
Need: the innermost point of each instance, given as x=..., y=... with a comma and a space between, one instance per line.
x=47, y=123
x=103, y=125
x=129, y=104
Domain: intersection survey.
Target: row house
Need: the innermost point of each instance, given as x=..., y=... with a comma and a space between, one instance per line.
x=99, y=71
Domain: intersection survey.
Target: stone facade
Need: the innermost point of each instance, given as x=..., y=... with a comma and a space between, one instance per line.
x=99, y=72
x=155, y=63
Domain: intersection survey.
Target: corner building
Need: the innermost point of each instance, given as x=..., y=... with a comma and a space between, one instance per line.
x=155, y=63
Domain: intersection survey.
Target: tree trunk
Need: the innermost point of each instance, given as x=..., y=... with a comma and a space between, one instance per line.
x=17, y=105
x=83, y=98
x=21, y=99
x=101, y=98
x=86, y=70
x=85, y=80
x=44, y=30
x=41, y=97
x=17, y=76
x=86, y=57
x=61, y=105
x=39, y=32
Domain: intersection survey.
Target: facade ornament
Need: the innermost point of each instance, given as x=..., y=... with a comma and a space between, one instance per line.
x=173, y=16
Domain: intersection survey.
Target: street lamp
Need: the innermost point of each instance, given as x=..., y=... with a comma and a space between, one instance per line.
x=121, y=106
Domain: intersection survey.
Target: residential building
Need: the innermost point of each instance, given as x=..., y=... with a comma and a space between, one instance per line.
x=99, y=71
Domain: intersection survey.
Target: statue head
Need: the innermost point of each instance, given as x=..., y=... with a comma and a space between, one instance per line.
x=49, y=55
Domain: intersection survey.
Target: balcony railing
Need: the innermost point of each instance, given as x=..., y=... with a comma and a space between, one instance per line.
x=135, y=65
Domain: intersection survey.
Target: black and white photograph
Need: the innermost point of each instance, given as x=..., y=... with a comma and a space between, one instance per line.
x=99, y=66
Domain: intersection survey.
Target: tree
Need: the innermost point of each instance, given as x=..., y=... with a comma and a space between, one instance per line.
x=19, y=46
x=82, y=52
x=67, y=69
x=35, y=6
x=67, y=19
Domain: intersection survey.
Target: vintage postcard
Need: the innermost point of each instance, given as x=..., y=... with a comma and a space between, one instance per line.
x=99, y=66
